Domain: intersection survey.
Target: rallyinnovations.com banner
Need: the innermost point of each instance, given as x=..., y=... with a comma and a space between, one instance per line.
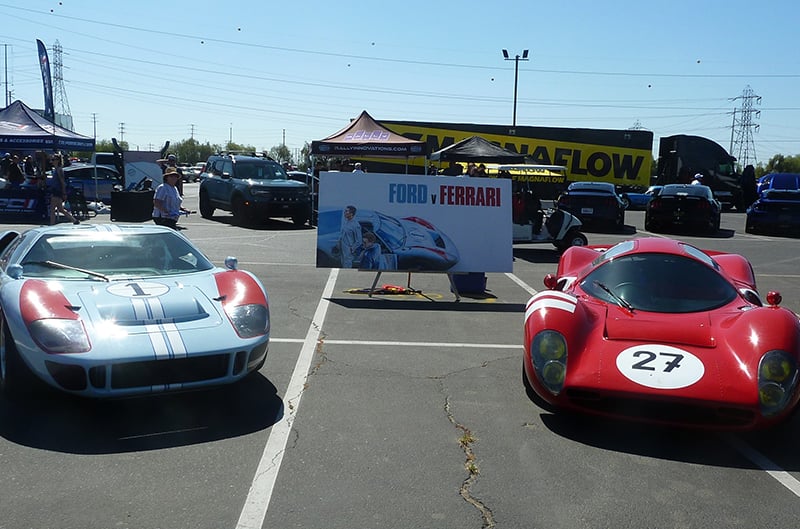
x=376, y=221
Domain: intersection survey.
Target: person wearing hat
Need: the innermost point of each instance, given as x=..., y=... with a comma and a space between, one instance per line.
x=166, y=201
x=171, y=161
x=698, y=179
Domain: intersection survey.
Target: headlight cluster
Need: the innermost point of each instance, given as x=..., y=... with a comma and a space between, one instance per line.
x=249, y=320
x=60, y=336
x=549, y=356
x=777, y=378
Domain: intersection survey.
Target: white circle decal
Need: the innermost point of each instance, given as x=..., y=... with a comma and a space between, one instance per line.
x=137, y=289
x=660, y=366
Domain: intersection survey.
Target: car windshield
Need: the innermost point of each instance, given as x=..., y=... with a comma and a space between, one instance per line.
x=657, y=282
x=390, y=231
x=129, y=255
x=260, y=171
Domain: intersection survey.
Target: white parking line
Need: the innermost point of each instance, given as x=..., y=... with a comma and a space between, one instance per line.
x=780, y=475
x=258, y=498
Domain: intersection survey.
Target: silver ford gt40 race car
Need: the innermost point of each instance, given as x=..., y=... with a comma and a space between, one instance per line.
x=111, y=310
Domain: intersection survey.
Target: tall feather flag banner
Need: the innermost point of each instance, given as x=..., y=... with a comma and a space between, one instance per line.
x=44, y=63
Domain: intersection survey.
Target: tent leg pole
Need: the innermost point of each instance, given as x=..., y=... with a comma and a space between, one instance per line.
x=374, y=282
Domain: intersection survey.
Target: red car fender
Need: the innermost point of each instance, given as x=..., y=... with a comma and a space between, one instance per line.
x=237, y=287
x=575, y=319
x=38, y=300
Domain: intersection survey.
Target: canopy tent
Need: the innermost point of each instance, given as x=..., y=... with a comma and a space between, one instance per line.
x=23, y=129
x=366, y=137
x=477, y=149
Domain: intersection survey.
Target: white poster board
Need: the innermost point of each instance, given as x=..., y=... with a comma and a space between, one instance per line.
x=419, y=223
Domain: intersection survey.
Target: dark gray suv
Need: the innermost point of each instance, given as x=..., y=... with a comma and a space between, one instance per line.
x=253, y=188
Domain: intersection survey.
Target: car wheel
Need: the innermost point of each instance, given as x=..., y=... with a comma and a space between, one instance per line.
x=16, y=378
x=206, y=209
x=240, y=215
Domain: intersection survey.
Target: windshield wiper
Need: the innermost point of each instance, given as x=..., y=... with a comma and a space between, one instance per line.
x=620, y=301
x=53, y=264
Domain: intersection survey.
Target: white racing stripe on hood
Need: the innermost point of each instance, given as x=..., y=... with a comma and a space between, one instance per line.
x=164, y=337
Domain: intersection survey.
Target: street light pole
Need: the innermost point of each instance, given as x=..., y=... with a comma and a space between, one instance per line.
x=516, y=60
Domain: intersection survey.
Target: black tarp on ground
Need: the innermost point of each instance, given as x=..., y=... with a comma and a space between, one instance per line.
x=476, y=149
x=23, y=129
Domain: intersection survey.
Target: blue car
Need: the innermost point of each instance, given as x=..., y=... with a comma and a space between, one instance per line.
x=776, y=210
x=778, y=181
x=640, y=200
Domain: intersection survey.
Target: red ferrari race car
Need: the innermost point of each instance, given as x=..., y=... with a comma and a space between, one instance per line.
x=656, y=330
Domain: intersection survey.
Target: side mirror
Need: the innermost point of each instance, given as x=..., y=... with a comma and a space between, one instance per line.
x=551, y=281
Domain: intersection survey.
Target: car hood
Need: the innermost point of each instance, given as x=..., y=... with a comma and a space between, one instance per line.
x=695, y=329
x=137, y=306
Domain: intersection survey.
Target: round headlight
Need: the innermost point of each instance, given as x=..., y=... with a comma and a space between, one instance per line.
x=775, y=368
x=551, y=345
x=771, y=395
x=553, y=373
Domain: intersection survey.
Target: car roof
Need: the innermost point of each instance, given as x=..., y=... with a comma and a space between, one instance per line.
x=784, y=181
x=689, y=189
x=605, y=186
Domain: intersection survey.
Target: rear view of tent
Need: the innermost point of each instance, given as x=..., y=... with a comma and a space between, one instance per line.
x=23, y=129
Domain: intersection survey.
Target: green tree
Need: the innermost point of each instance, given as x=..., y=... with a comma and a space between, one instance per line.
x=280, y=153
x=782, y=164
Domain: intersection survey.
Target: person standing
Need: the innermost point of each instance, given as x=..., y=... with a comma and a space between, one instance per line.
x=349, y=237
x=171, y=162
x=698, y=179
x=58, y=191
x=15, y=176
x=358, y=168
x=748, y=184
x=167, y=201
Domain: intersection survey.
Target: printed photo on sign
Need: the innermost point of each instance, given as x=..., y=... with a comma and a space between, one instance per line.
x=377, y=221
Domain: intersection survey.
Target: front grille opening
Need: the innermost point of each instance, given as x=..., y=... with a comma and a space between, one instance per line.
x=172, y=371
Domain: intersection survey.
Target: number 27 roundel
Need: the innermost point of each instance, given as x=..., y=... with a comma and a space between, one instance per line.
x=660, y=366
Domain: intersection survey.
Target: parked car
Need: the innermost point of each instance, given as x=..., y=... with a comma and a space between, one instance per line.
x=775, y=211
x=108, y=319
x=409, y=243
x=683, y=206
x=96, y=182
x=191, y=173
x=253, y=188
x=640, y=200
x=656, y=330
x=594, y=203
x=778, y=181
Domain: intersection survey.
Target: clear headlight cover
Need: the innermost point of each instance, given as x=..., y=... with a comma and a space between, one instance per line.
x=249, y=320
x=549, y=356
x=777, y=378
x=59, y=336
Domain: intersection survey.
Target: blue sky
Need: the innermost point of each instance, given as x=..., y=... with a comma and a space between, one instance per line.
x=264, y=73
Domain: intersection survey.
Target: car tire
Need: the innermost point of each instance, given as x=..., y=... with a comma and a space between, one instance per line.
x=240, y=215
x=206, y=209
x=16, y=379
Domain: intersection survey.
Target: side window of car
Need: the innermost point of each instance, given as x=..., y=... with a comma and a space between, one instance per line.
x=227, y=167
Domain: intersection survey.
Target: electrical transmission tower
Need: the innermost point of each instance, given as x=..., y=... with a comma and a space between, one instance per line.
x=62, y=112
x=743, y=147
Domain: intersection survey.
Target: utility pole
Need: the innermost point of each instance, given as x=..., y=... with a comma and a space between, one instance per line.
x=743, y=147
x=94, y=125
x=59, y=92
x=192, y=133
x=121, y=132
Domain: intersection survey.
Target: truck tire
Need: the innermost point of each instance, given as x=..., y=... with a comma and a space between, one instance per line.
x=206, y=209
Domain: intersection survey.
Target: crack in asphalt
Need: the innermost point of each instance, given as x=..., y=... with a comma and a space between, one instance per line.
x=466, y=440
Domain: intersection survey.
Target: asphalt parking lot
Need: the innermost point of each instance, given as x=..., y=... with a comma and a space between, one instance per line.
x=396, y=410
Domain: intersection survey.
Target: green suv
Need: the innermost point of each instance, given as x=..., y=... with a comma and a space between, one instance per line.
x=253, y=188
